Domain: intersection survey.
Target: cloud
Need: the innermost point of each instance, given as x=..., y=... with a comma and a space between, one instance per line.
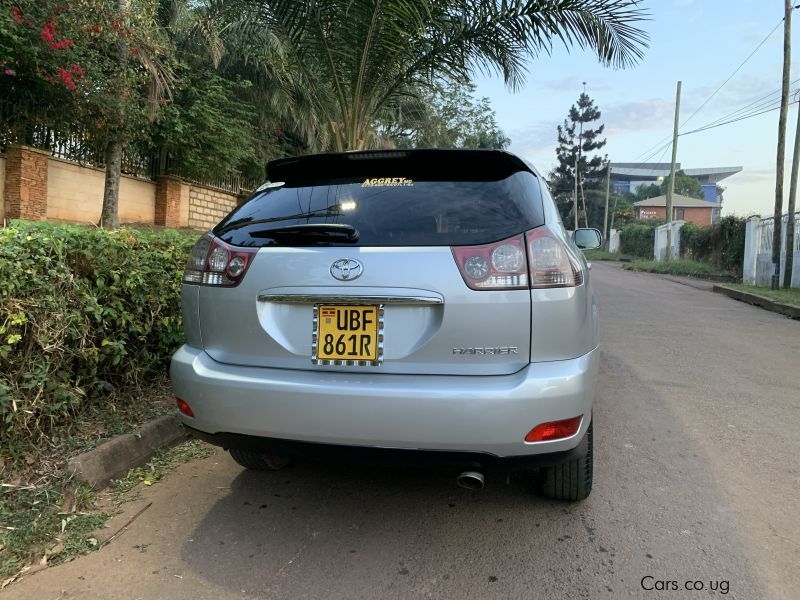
x=641, y=115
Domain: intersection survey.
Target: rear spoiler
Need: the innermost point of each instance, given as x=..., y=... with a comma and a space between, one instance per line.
x=418, y=164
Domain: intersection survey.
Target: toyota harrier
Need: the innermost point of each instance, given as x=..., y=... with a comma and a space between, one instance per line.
x=425, y=306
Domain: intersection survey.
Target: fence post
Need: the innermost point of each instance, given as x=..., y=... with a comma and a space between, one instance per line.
x=676, y=239
x=752, y=243
x=25, y=194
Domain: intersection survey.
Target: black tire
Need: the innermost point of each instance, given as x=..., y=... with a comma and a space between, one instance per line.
x=571, y=480
x=258, y=461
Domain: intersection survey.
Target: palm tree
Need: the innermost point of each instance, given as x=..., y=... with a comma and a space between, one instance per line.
x=355, y=59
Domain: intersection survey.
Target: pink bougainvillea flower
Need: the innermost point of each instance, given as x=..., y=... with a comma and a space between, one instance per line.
x=48, y=32
x=66, y=78
x=8, y=72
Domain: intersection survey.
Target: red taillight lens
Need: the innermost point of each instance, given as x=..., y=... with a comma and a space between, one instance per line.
x=213, y=262
x=184, y=407
x=551, y=265
x=497, y=266
x=554, y=430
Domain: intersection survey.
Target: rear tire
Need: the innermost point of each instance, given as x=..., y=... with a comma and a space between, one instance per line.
x=258, y=461
x=570, y=480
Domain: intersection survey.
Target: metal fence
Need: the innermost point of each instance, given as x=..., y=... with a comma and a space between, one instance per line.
x=79, y=146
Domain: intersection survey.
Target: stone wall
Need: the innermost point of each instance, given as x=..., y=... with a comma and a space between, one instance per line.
x=207, y=206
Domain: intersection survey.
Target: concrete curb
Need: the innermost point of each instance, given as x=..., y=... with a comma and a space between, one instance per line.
x=790, y=310
x=114, y=458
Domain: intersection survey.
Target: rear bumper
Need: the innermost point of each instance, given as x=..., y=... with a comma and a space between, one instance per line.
x=392, y=457
x=472, y=415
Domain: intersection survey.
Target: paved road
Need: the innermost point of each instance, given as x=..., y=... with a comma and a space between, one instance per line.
x=696, y=479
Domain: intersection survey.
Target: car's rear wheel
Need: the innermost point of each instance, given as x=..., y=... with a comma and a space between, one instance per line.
x=571, y=480
x=259, y=461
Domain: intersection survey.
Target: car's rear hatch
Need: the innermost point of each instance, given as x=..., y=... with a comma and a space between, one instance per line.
x=311, y=274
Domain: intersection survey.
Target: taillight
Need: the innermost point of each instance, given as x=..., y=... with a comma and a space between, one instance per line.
x=497, y=266
x=554, y=430
x=551, y=265
x=213, y=262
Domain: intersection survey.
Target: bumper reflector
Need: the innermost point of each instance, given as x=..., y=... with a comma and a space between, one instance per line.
x=184, y=407
x=554, y=430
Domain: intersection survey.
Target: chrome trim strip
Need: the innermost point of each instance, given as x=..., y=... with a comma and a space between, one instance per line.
x=342, y=299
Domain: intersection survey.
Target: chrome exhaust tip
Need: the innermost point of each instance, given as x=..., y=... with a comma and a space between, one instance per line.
x=471, y=480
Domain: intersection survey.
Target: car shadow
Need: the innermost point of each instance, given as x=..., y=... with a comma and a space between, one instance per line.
x=280, y=534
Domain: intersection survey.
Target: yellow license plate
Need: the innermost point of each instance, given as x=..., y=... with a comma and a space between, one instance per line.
x=347, y=333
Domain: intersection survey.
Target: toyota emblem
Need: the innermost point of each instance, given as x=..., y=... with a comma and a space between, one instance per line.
x=347, y=269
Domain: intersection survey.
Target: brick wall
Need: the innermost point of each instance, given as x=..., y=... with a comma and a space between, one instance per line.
x=2, y=187
x=37, y=186
x=25, y=185
x=698, y=215
x=207, y=206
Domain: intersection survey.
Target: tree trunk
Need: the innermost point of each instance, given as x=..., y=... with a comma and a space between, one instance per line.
x=109, y=217
x=778, y=213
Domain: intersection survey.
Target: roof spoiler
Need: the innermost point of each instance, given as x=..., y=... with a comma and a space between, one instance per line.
x=421, y=164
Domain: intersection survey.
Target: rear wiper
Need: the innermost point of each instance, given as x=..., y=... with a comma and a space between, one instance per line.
x=311, y=232
x=328, y=211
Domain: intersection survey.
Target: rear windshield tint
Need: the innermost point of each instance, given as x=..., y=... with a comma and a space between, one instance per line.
x=391, y=211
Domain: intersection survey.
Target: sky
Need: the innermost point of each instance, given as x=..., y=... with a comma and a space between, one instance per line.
x=701, y=43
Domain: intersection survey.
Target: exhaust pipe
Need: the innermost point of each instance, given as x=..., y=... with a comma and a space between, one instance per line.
x=471, y=480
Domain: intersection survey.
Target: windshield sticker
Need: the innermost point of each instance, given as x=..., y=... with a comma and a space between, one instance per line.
x=387, y=182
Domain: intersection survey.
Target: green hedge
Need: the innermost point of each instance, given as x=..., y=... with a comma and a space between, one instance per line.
x=79, y=307
x=638, y=238
x=721, y=244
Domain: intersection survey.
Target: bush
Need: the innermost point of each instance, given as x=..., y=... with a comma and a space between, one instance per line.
x=638, y=238
x=720, y=244
x=79, y=307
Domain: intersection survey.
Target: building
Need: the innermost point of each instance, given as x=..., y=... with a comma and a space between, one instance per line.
x=627, y=177
x=684, y=208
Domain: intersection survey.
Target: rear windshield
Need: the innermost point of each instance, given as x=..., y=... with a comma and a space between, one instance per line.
x=389, y=211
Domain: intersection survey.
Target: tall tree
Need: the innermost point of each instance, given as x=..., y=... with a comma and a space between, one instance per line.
x=578, y=137
x=685, y=185
x=446, y=115
x=359, y=58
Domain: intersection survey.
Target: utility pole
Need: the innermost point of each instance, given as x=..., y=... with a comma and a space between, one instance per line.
x=608, y=188
x=778, y=214
x=671, y=186
x=575, y=193
x=787, y=273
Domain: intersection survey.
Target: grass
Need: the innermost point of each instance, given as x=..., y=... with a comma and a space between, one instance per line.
x=53, y=521
x=790, y=296
x=163, y=462
x=46, y=517
x=49, y=522
x=603, y=255
x=674, y=267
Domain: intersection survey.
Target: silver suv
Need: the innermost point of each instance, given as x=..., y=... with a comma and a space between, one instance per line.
x=423, y=306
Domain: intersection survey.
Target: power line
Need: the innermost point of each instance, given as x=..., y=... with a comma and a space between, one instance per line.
x=754, y=105
x=722, y=85
x=657, y=145
x=774, y=108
